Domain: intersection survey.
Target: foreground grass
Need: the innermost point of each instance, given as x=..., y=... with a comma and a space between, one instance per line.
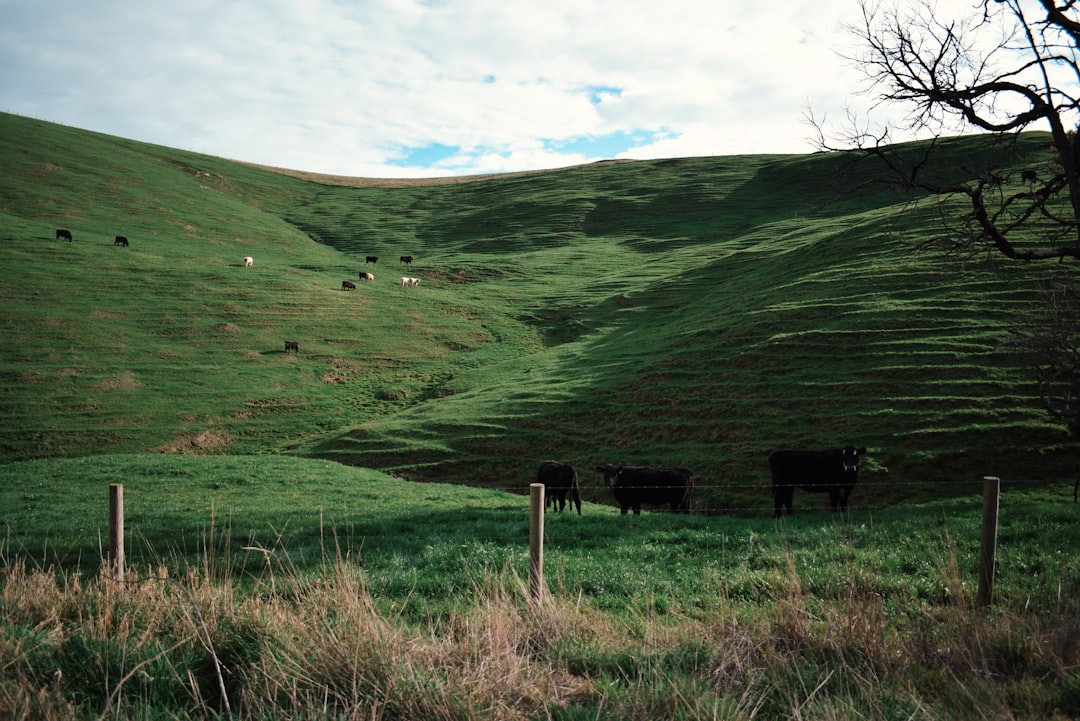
x=167, y=645
x=270, y=587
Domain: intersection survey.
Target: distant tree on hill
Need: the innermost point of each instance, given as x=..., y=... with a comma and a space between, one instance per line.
x=1003, y=67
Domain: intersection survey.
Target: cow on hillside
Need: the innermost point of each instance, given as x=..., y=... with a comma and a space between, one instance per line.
x=348, y=285
x=120, y=240
x=62, y=234
x=292, y=345
x=560, y=481
x=634, y=486
x=372, y=259
x=406, y=259
x=248, y=261
x=833, y=471
x=367, y=276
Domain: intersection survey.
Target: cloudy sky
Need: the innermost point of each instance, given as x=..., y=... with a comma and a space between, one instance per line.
x=412, y=88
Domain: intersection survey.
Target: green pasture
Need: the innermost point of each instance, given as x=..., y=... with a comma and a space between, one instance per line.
x=695, y=312
x=348, y=525
x=425, y=548
x=323, y=589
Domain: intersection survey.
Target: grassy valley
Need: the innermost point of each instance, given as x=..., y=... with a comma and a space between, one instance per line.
x=694, y=312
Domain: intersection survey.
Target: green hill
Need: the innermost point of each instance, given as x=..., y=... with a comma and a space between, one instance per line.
x=695, y=312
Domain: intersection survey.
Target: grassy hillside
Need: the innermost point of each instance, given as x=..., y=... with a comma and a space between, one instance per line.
x=697, y=312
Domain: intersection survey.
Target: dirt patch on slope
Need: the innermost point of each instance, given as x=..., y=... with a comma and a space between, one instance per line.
x=203, y=443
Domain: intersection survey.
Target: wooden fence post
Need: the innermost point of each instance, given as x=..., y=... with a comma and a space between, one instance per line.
x=988, y=553
x=536, y=541
x=116, y=530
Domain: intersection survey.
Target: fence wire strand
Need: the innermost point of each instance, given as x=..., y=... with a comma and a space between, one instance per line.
x=813, y=500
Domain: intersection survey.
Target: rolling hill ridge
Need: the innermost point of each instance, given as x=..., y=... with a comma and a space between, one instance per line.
x=695, y=312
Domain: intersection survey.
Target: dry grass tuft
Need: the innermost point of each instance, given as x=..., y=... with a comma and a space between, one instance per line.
x=125, y=382
x=297, y=646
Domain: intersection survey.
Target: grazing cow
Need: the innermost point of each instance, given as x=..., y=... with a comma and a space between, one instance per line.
x=62, y=234
x=292, y=345
x=367, y=276
x=1028, y=176
x=833, y=471
x=559, y=481
x=248, y=261
x=406, y=259
x=372, y=259
x=348, y=285
x=410, y=281
x=120, y=240
x=634, y=486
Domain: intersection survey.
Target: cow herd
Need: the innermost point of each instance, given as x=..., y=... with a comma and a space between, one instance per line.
x=65, y=234
x=370, y=277
x=345, y=284
x=249, y=261
x=122, y=241
x=832, y=471
x=406, y=259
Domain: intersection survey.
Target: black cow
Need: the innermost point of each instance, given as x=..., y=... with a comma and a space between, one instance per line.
x=634, y=486
x=372, y=259
x=560, y=480
x=406, y=259
x=1028, y=176
x=120, y=240
x=62, y=234
x=292, y=345
x=833, y=471
x=348, y=285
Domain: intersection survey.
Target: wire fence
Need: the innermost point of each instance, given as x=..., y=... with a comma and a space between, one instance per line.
x=738, y=498
x=991, y=494
x=975, y=482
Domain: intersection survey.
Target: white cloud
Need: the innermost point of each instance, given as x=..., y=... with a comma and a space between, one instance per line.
x=355, y=87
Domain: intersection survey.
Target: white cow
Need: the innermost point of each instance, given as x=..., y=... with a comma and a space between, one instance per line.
x=248, y=261
x=409, y=281
x=367, y=276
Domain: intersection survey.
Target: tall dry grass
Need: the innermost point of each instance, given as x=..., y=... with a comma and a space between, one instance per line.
x=297, y=646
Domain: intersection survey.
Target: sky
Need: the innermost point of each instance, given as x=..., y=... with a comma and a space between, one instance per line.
x=422, y=88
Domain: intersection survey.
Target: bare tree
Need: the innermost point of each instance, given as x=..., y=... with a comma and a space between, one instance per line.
x=1005, y=67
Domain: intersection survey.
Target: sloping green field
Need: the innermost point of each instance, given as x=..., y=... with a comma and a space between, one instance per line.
x=696, y=312
x=693, y=312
